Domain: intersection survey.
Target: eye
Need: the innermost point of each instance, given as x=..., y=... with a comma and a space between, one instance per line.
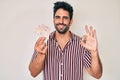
x=66, y=17
x=57, y=17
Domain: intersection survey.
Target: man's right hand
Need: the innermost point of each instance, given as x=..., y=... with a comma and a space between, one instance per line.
x=40, y=46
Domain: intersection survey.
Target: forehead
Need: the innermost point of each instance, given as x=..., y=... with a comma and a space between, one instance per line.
x=61, y=12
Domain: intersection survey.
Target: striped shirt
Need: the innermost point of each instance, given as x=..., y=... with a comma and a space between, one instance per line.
x=66, y=64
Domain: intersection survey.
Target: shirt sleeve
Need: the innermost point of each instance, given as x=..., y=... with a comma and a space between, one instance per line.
x=87, y=58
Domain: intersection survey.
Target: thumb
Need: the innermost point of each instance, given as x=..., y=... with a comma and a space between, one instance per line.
x=82, y=42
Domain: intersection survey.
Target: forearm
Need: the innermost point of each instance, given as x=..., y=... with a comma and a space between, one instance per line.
x=96, y=65
x=37, y=65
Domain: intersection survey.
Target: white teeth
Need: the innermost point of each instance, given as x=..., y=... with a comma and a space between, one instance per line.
x=60, y=26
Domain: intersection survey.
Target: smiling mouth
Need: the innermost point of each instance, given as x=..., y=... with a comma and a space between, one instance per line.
x=61, y=26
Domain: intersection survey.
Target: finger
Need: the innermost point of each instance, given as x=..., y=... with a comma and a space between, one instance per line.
x=39, y=42
x=82, y=43
x=42, y=46
x=91, y=31
x=86, y=29
x=42, y=40
x=45, y=50
x=94, y=34
x=84, y=38
x=39, y=50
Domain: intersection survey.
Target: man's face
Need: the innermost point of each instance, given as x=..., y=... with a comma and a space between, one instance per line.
x=62, y=21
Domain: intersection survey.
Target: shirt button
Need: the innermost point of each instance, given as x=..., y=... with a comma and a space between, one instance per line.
x=61, y=63
x=62, y=53
x=57, y=44
x=61, y=75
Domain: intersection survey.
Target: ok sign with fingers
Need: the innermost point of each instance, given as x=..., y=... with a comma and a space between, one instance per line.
x=40, y=46
x=89, y=40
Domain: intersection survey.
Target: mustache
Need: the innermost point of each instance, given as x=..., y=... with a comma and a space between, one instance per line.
x=61, y=24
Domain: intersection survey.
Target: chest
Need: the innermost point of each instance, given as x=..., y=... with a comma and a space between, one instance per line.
x=63, y=51
x=67, y=62
x=63, y=43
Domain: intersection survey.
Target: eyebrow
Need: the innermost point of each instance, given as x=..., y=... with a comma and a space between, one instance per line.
x=66, y=17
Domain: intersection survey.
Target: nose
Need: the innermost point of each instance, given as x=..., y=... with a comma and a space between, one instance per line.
x=61, y=20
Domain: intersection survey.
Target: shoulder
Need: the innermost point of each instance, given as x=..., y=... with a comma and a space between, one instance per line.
x=75, y=36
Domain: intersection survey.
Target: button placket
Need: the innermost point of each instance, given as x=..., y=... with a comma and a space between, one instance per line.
x=61, y=69
x=60, y=62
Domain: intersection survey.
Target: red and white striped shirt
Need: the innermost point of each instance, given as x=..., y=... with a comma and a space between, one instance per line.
x=66, y=64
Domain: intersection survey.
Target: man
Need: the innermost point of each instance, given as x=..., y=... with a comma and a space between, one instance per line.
x=66, y=54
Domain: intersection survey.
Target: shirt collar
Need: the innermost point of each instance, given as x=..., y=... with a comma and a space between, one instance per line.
x=52, y=35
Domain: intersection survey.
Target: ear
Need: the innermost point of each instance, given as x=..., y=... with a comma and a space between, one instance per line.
x=53, y=20
x=71, y=21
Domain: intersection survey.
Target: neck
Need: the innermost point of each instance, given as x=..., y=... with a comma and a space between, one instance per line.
x=62, y=39
x=65, y=36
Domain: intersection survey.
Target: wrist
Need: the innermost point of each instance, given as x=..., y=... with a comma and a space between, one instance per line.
x=40, y=57
x=94, y=51
x=40, y=53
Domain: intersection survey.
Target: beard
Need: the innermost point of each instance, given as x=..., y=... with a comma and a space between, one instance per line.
x=62, y=28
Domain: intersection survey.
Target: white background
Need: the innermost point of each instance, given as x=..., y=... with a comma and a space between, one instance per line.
x=18, y=18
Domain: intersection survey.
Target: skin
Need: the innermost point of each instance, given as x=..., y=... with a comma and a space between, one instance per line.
x=91, y=44
x=89, y=41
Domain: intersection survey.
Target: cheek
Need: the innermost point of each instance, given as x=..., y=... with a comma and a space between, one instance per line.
x=67, y=23
x=55, y=21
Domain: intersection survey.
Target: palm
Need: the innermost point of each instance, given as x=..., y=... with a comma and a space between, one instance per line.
x=89, y=41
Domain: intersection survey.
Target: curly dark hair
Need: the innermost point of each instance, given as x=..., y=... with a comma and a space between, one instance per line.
x=64, y=5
